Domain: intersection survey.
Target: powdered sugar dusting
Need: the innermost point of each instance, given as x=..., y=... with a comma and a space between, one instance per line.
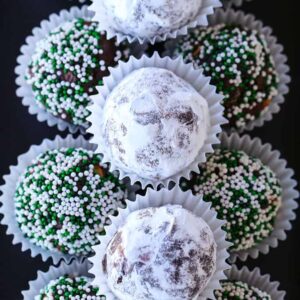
x=155, y=123
x=148, y=18
x=161, y=253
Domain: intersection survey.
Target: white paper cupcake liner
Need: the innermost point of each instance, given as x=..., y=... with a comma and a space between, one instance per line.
x=43, y=278
x=230, y=16
x=256, y=279
x=8, y=192
x=271, y=158
x=24, y=90
x=186, y=72
x=105, y=22
x=156, y=199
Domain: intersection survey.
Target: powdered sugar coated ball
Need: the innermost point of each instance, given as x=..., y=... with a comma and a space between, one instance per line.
x=149, y=18
x=161, y=253
x=155, y=123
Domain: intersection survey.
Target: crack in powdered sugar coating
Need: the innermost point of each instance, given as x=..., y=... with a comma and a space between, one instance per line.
x=155, y=123
x=161, y=253
x=149, y=18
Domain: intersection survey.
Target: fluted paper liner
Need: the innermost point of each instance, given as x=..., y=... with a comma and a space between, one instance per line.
x=256, y=279
x=43, y=278
x=271, y=158
x=9, y=188
x=230, y=16
x=24, y=90
x=156, y=199
x=184, y=71
x=208, y=7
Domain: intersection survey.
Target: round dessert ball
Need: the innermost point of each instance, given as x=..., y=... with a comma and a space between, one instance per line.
x=155, y=123
x=240, y=65
x=70, y=288
x=67, y=66
x=237, y=290
x=244, y=192
x=147, y=19
x=161, y=253
x=64, y=199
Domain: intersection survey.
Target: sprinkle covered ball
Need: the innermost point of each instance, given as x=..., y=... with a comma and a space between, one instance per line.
x=66, y=67
x=161, y=253
x=244, y=192
x=237, y=290
x=240, y=65
x=70, y=288
x=64, y=199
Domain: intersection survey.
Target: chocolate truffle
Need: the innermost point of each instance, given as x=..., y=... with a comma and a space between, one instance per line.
x=161, y=253
x=70, y=288
x=237, y=290
x=64, y=199
x=244, y=192
x=66, y=67
x=150, y=18
x=241, y=67
x=155, y=123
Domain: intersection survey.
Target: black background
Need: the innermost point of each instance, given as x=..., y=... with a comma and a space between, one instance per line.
x=19, y=130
